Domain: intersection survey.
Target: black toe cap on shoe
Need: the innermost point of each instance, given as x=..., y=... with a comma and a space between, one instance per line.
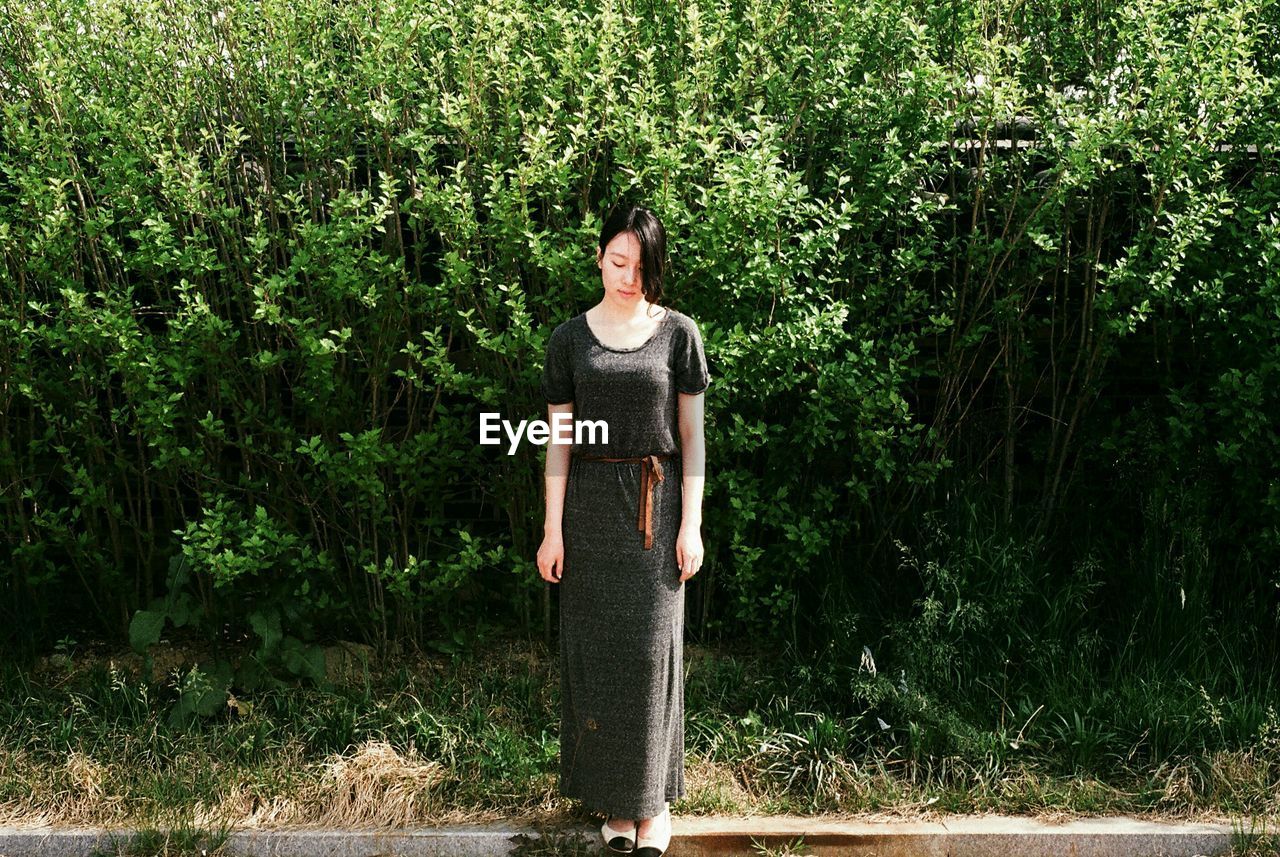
x=647, y=851
x=621, y=845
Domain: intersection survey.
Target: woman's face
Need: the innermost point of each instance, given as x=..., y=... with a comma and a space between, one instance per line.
x=620, y=270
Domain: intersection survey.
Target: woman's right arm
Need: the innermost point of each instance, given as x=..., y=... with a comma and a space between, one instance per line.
x=551, y=554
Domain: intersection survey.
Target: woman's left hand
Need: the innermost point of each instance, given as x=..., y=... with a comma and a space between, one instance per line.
x=689, y=552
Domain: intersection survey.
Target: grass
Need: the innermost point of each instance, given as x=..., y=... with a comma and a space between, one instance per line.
x=151, y=842
x=83, y=741
x=1254, y=839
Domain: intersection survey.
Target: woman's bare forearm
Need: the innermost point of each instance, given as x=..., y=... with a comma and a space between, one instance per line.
x=557, y=480
x=693, y=452
x=557, y=463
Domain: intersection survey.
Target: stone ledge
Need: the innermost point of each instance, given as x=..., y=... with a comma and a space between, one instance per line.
x=960, y=836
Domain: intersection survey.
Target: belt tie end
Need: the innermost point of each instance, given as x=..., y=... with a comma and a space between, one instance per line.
x=650, y=475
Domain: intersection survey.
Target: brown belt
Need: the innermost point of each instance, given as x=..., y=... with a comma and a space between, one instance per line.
x=650, y=476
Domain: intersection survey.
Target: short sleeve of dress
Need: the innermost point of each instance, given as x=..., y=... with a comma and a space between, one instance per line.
x=690, y=361
x=557, y=369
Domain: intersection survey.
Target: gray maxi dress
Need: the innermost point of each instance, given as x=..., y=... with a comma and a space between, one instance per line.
x=622, y=606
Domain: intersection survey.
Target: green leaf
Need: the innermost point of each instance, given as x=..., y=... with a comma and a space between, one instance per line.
x=313, y=661
x=302, y=660
x=267, y=626
x=144, y=630
x=181, y=611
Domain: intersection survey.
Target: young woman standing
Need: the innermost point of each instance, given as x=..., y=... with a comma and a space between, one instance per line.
x=623, y=534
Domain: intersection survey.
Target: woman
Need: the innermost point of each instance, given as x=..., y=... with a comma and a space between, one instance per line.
x=623, y=534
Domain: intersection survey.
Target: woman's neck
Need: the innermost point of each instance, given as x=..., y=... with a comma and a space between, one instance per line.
x=615, y=315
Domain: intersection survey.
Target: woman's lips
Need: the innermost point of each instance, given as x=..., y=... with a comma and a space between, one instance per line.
x=625, y=292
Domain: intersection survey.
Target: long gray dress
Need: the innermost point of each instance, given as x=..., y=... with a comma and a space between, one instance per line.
x=621, y=606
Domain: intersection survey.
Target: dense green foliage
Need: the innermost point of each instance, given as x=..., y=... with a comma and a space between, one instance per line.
x=989, y=293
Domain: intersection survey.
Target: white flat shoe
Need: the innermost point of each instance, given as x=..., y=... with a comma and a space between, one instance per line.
x=655, y=845
x=618, y=841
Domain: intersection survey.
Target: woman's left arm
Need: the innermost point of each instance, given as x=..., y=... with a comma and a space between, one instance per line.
x=693, y=454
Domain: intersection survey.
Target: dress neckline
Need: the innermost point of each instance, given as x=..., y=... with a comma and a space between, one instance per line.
x=656, y=330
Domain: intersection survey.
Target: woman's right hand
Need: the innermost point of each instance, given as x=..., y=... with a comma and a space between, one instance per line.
x=551, y=558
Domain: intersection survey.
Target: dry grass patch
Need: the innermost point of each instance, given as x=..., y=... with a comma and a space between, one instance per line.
x=1247, y=777
x=78, y=792
x=714, y=787
x=376, y=786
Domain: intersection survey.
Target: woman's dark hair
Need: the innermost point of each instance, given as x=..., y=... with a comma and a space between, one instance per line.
x=653, y=244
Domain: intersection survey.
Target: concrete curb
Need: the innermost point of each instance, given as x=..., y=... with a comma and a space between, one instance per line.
x=961, y=836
